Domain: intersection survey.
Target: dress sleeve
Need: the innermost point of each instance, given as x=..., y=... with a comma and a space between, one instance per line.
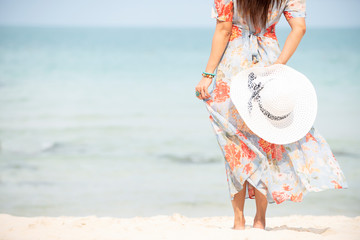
x=223, y=10
x=295, y=8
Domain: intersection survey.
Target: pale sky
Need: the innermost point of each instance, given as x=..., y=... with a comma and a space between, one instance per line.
x=185, y=13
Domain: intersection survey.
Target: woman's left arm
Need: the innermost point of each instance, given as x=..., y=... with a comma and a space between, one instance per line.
x=219, y=42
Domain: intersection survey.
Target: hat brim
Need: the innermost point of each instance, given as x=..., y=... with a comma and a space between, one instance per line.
x=292, y=128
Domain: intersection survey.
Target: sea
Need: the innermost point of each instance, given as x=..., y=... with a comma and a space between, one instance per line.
x=104, y=121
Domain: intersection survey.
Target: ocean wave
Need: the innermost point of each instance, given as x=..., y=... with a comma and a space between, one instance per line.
x=190, y=158
x=348, y=154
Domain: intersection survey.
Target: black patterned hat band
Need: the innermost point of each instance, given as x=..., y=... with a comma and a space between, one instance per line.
x=274, y=101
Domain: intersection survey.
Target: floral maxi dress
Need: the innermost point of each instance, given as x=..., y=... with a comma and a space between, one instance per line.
x=280, y=172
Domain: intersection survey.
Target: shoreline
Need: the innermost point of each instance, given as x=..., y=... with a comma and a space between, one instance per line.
x=176, y=226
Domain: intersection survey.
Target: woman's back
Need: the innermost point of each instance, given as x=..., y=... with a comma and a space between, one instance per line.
x=247, y=47
x=227, y=10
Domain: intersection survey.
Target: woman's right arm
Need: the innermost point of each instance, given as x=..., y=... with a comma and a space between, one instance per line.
x=298, y=29
x=220, y=40
x=295, y=13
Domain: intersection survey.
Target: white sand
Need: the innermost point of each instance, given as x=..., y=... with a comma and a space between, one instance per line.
x=176, y=227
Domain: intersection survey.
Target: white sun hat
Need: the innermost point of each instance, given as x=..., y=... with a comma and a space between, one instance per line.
x=277, y=103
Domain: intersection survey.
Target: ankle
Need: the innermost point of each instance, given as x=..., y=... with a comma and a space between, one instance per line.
x=239, y=222
x=239, y=216
x=259, y=218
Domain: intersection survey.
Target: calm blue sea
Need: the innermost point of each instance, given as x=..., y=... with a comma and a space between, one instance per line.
x=104, y=121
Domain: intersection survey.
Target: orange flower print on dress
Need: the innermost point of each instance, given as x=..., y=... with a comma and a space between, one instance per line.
x=209, y=101
x=275, y=150
x=246, y=151
x=235, y=32
x=232, y=155
x=279, y=197
x=251, y=191
x=287, y=187
x=238, y=132
x=337, y=185
x=221, y=91
x=247, y=168
x=224, y=11
x=310, y=137
x=265, y=145
x=270, y=32
x=287, y=15
x=296, y=197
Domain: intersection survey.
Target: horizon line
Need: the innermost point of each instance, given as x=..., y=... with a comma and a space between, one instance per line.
x=155, y=26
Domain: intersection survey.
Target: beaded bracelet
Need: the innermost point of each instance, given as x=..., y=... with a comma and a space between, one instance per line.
x=208, y=75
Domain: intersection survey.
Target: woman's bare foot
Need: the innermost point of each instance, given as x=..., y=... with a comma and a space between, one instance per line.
x=239, y=223
x=259, y=223
x=261, y=205
x=238, y=205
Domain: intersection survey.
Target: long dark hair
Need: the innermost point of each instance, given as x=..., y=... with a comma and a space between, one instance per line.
x=257, y=10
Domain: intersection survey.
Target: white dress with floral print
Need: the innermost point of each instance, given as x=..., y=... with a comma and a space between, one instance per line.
x=280, y=172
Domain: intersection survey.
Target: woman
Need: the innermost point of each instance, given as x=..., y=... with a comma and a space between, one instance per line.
x=245, y=37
